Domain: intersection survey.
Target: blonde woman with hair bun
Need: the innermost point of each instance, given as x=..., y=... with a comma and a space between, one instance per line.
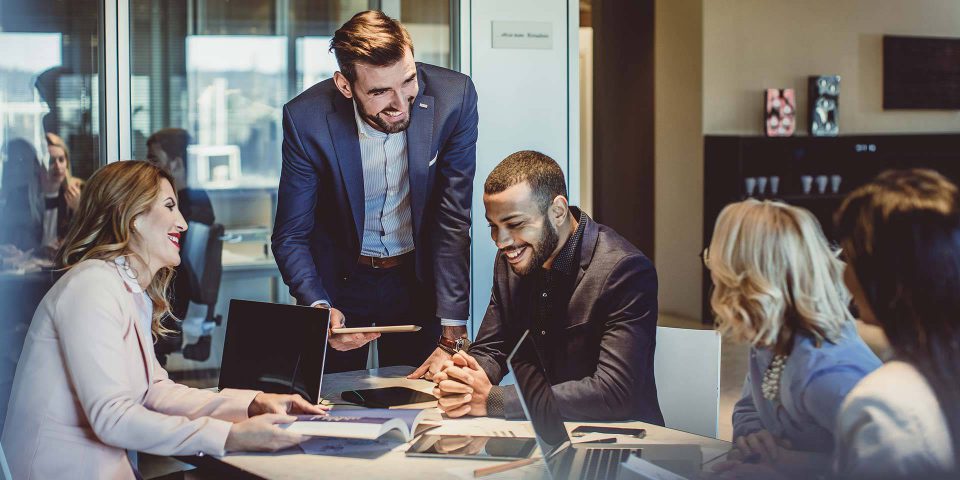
x=778, y=287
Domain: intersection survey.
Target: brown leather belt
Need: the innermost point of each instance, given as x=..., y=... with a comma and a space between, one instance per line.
x=385, y=262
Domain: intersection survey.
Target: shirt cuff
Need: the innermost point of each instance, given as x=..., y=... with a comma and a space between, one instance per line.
x=446, y=322
x=321, y=302
x=495, y=402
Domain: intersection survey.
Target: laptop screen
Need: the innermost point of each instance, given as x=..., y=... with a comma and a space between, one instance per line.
x=536, y=396
x=275, y=348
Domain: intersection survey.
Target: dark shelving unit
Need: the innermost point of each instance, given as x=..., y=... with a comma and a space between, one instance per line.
x=729, y=160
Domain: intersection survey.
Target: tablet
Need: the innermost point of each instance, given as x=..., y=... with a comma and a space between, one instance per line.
x=388, y=329
x=386, y=397
x=472, y=447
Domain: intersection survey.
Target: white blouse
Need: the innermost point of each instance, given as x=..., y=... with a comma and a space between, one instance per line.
x=891, y=425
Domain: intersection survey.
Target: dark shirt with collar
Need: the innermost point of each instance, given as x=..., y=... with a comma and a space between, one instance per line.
x=593, y=318
x=555, y=285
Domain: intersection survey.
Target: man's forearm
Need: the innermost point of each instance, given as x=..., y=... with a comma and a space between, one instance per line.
x=454, y=332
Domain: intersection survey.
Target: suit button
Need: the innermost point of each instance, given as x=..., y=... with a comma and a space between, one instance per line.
x=544, y=294
x=543, y=332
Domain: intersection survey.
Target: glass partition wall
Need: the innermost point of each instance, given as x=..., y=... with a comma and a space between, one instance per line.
x=49, y=87
x=220, y=71
x=209, y=78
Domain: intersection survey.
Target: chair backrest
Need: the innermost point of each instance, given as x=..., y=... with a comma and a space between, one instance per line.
x=687, y=368
x=4, y=468
x=204, y=256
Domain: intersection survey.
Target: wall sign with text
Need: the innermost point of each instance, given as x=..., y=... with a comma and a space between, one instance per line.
x=522, y=35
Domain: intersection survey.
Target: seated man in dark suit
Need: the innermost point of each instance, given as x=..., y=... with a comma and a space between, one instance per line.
x=167, y=148
x=588, y=297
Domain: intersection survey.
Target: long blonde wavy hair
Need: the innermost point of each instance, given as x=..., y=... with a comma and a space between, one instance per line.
x=103, y=226
x=774, y=276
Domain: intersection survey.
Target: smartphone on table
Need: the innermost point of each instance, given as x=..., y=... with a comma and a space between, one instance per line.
x=608, y=430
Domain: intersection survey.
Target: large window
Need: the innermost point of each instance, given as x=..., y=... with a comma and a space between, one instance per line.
x=49, y=85
x=221, y=70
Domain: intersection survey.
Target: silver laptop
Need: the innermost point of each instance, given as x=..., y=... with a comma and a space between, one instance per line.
x=565, y=460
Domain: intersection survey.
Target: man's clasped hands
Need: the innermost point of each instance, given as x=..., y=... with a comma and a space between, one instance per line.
x=462, y=386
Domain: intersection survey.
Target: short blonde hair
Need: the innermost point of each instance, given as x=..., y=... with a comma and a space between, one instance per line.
x=775, y=275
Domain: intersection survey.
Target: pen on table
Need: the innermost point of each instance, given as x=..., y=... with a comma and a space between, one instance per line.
x=503, y=467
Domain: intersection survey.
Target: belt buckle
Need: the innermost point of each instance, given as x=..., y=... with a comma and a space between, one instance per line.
x=373, y=263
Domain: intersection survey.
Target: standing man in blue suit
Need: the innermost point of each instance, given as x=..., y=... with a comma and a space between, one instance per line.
x=373, y=215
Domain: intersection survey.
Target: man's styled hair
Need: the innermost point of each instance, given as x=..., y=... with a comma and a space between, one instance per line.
x=541, y=172
x=369, y=37
x=173, y=142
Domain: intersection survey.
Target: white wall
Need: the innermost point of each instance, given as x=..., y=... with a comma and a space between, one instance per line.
x=678, y=154
x=749, y=45
x=528, y=100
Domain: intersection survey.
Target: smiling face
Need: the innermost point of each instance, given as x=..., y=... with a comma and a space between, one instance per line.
x=383, y=94
x=57, y=165
x=521, y=229
x=157, y=233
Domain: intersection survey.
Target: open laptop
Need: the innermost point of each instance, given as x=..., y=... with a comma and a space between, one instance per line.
x=563, y=459
x=275, y=348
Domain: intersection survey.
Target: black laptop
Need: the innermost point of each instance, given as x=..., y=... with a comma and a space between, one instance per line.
x=564, y=459
x=275, y=348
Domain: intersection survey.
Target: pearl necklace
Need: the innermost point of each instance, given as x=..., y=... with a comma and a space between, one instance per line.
x=771, y=378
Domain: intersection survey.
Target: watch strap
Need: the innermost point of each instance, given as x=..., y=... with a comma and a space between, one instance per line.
x=451, y=345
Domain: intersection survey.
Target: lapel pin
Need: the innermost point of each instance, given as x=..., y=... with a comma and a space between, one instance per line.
x=423, y=105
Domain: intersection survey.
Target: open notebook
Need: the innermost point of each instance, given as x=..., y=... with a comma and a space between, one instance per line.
x=362, y=423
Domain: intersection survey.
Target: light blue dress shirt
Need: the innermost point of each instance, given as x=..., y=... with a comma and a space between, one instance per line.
x=388, y=222
x=813, y=385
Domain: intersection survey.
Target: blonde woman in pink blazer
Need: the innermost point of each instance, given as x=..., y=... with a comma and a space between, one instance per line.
x=88, y=387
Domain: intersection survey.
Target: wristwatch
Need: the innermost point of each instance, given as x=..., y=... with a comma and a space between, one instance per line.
x=451, y=345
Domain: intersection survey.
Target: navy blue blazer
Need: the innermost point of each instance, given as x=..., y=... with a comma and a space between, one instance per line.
x=320, y=211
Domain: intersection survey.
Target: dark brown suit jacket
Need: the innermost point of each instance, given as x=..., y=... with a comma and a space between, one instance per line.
x=599, y=356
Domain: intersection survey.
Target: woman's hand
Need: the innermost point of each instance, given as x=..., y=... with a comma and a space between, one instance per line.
x=265, y=403
x=72, y=194
x=761, y=443
x=261, y=434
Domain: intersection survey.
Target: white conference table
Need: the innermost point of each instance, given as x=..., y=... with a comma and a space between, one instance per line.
x=394, y=464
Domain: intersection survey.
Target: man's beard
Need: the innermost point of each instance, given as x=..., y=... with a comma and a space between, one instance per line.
x=541, y=251
x=383, y=124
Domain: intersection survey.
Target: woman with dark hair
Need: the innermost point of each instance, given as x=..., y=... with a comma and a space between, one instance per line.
x=88, y=388
x=900, y=234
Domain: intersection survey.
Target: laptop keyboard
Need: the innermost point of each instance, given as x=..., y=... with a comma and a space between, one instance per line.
x=603, y=463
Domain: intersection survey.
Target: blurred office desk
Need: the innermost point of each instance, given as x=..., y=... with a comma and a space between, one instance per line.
x=393, y=464
x=20, y=293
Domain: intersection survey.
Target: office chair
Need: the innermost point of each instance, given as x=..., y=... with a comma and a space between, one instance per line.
x=204, y=252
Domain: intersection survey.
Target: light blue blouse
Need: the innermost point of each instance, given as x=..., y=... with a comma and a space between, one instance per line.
x=813, y=385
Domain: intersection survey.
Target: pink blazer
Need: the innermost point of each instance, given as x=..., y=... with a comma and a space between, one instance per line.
x=88, y=388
